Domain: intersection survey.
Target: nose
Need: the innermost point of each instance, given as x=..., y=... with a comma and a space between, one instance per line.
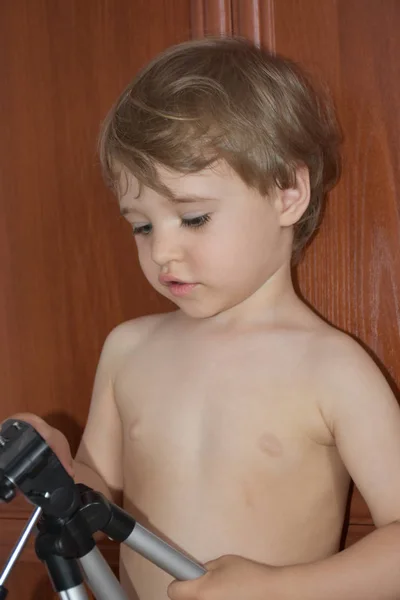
x=165, y=247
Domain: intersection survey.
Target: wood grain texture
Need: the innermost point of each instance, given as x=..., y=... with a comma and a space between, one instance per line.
x=11, y=529
x=357, y=532
x=351, y=272
x=29, y=581
x=68, y=266
x=69, y=271
x=255, y=20
x=210, y=17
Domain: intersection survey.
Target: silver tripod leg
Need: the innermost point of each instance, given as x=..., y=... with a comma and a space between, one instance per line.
x=20, y=545
x=76, y=593
x=101, y=579
x=163, y=555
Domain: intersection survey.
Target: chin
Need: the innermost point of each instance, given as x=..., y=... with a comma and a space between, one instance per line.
x=196, y=312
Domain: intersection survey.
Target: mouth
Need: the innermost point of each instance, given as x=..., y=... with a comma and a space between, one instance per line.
x=178, y=288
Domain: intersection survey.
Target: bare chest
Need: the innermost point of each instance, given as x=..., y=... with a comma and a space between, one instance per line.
x=223, y=408
x=229, y=433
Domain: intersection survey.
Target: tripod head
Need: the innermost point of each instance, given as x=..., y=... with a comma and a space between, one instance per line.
x=27, y=463
x=69, y=516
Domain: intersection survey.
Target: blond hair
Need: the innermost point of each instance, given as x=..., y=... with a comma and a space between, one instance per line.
x=212, y=99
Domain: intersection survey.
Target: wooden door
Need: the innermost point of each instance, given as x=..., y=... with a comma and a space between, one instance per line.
x=68, y=268
x=351, y=273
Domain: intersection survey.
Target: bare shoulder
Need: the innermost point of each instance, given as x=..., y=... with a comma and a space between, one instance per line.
x=348, y=379
x=127, y=336
x=363, y=417
x=130, y=333
x=337, y=356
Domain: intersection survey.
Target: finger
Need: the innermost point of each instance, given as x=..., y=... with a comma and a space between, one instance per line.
x=43, y=428
x=182, y=590
x=60, y=446
x=54, y=438
x=217, y=562
x=213, y=564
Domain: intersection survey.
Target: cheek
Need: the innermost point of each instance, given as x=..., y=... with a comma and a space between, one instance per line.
x=245, y=244
x=144, y=257
x=235, y=240
x=209, y=251
x=217, y=254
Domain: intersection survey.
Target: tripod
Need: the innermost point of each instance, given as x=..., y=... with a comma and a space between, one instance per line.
x=67, y=515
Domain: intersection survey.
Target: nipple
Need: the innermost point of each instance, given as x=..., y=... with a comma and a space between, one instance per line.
x=270, y=445
x=133, y=430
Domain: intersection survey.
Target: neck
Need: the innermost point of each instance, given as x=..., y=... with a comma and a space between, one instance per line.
x=269, y=305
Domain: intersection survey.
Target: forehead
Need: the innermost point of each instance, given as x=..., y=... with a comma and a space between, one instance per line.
x=214, y=182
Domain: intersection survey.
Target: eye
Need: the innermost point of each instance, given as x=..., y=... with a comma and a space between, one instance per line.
x=142, y=229
x=196, y=222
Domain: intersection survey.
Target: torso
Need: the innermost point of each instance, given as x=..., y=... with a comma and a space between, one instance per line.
x=225, y=449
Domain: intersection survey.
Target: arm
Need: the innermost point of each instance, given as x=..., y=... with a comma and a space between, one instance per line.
x=98, y=462
x=364, y=418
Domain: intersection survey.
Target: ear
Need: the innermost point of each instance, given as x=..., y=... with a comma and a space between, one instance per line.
x=292, y=203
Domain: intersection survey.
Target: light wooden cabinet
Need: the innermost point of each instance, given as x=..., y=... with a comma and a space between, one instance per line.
x=68, y=271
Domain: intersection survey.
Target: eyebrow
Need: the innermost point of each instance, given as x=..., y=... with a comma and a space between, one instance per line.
x=125, y=210
x=187, y=199
x=190, y=198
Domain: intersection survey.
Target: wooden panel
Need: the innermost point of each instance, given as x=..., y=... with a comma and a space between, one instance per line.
x=210, y=17
x=11, y=529
x=255, y=20
x=28, y=578
x=351, y=273
x=357, y=532
x=69, y=271
x=68, y=266
x=30, y=581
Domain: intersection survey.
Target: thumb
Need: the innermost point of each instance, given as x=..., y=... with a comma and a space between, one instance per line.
x=213, y=564
x=217, y=563
x=182, y=590
x=53, y=437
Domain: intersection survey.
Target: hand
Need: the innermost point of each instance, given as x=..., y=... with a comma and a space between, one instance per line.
x=53, y=437
x=230, y=577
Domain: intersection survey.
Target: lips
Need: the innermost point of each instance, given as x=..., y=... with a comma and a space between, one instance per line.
x=177, y=287
x=181, y=289
x=168, y=280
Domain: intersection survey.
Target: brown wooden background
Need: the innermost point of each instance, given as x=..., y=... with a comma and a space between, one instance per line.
x=68, y=270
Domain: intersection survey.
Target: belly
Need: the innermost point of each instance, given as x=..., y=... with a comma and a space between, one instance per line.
x=215, y=482
x=269, y=519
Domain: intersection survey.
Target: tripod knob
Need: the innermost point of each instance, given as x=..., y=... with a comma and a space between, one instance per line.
x=7, y=489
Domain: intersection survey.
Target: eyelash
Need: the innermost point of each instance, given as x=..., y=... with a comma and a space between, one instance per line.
x=194, y=223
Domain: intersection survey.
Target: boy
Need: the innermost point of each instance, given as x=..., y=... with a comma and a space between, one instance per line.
x=233, y=425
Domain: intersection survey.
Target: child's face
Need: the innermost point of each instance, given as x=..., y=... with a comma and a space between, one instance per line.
x=211, y=248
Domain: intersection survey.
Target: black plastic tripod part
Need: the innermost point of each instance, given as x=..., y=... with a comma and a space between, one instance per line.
x=3, y=592
x=102, y=515
x=72, y=513
x=28, y=463
x=70, y=538
x=64, y=573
